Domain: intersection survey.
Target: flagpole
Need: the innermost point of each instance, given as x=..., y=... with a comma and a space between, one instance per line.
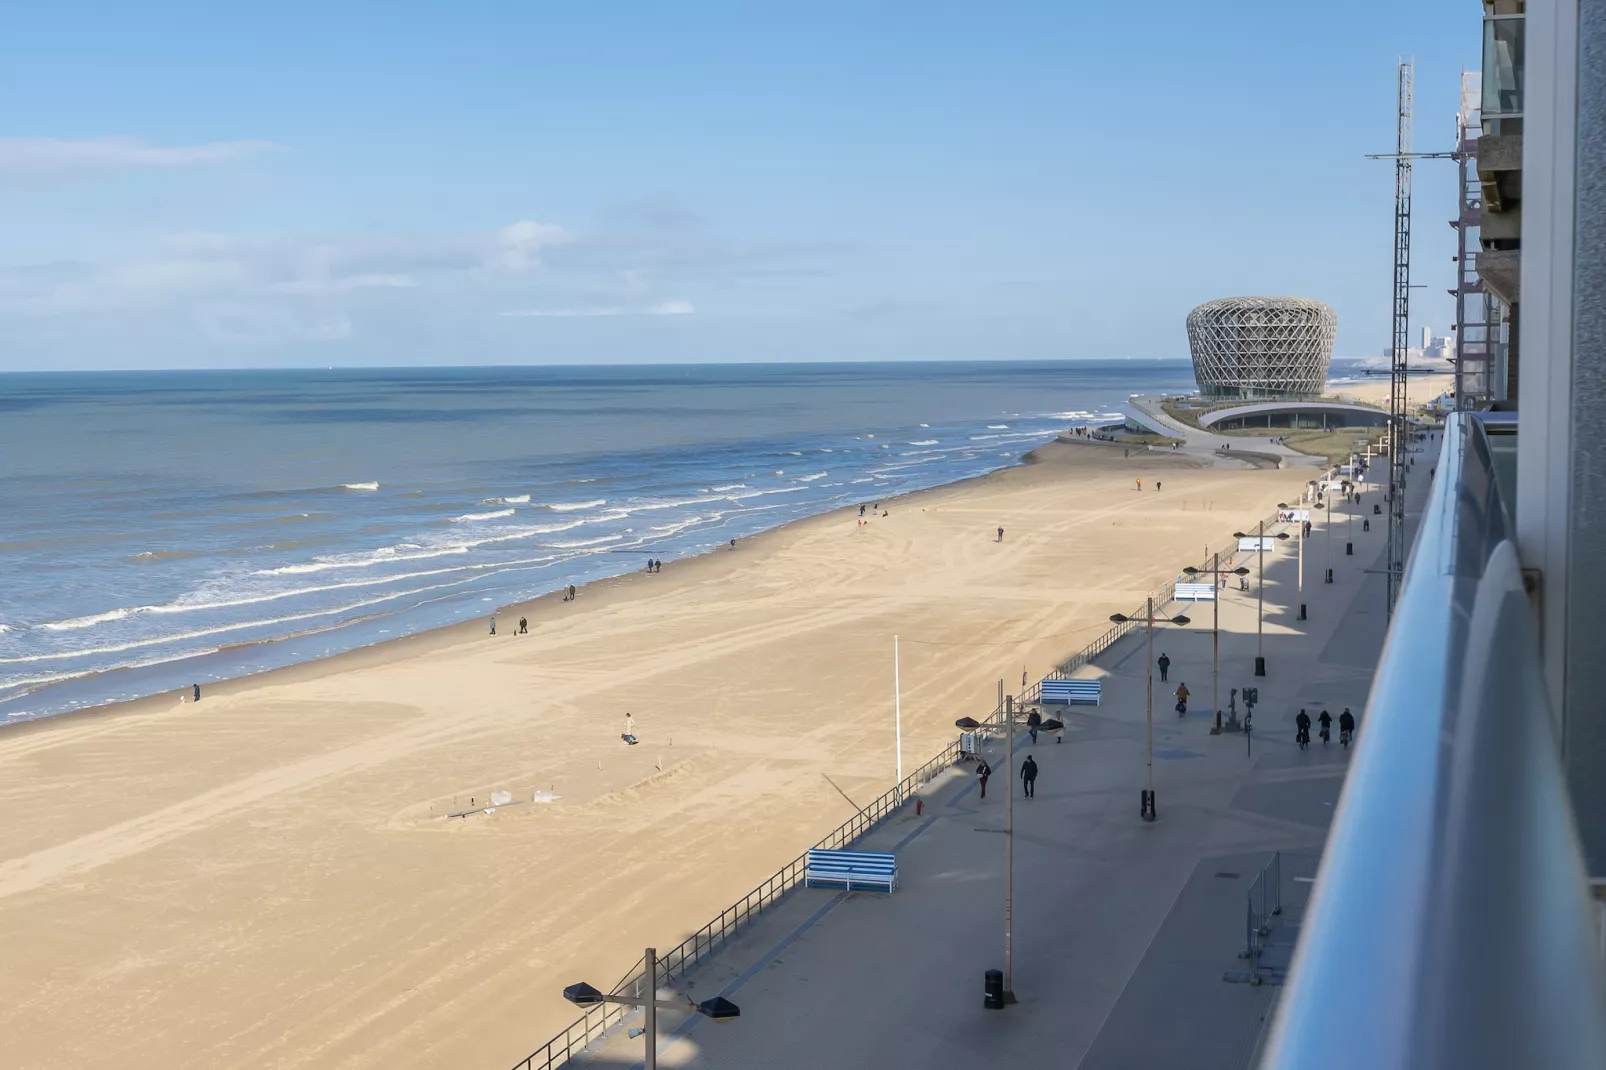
x=897, y=708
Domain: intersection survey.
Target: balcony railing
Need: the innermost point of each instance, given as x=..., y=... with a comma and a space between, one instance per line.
x=1450, y=924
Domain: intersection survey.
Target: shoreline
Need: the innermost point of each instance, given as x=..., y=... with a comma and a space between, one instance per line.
x=441, y=637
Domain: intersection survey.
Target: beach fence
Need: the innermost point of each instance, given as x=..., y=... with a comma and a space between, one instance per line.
x=557, y=1052
x=733, y=920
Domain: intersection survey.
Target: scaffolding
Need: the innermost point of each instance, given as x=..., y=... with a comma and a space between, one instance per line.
x=1399, y=434
x=1478, y=314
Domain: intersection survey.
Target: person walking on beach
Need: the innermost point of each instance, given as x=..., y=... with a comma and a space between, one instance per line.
x=1163, y=662
x=630, y=728
x=1156, y=484
x=983, y=771
x=197, y=692
x=861, y=510
x=1000, y=534
x=1140, y=486
x=493, y=625
x=1028, y=777
x=524, y=626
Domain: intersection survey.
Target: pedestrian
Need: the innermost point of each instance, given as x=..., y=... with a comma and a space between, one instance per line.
x=1164, y=662
x=1000, y=534
x=630, y=727
x=197, y=692
x=861, y=510
x=733, y=544
x=1182, y=700
x=493, y=625
x=1034, y=721
x=1156, y=484
x=1140, y=486
x=1028, y=777
x=983, y=771
x=571, y=592
x=524, y=626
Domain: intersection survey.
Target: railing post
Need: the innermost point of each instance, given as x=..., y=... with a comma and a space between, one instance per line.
x=1277, y=882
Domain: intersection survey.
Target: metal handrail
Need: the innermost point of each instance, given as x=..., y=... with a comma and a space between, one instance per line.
x=1450, y=922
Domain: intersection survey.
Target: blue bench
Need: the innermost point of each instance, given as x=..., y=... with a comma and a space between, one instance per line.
x=1072, y=692
x=1196, y=592
x=850, y=870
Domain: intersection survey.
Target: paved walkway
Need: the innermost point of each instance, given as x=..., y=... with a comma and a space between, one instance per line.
x=1125, y=933
x=1206, y=443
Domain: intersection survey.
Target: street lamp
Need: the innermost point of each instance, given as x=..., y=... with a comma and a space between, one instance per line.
x=1260, y=596
x=1349, y=523
x=1299, y=523
x=1328, y=578
x=1215, y=632
x=1148, y=810
x=719, y=1008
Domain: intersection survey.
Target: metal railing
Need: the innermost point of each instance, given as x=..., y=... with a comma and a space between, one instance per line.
x=1265, y=901
x=732, y=920
x=1450, y=922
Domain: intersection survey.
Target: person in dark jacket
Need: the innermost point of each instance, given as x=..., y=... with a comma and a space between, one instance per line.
x=1326, y=720
x=1163, y=663
x=1302, y=728
x=1034, y=720
x=1346, y=726
x=983, y=771
x=1028, y=777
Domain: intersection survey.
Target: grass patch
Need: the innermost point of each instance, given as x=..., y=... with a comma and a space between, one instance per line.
x=1335, y=445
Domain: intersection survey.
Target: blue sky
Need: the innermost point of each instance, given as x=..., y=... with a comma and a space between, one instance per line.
x=404, y=183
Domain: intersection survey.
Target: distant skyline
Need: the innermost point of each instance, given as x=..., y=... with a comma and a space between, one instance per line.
x=406, y=184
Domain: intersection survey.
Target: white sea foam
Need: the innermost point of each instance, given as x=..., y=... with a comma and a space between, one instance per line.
x=998, y=427
x=811, y=479
x=569, y=507
x=925, y=425
x=382, y=556
x=359, y=486
x=517, y=499
x=580, y=544
x=72, y=624
x=731, y=486
x=923, y=442
x=468, y=517
x=864, y=480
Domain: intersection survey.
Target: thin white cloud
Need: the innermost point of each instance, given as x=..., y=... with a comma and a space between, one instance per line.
x=663, y=308
x=26, y=161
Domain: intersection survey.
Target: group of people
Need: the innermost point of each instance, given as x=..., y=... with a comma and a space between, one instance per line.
x=654, y=566
x=1346, y=727
x=1028, y=776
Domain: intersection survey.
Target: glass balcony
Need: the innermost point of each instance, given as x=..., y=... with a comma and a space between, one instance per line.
x=1503, y=37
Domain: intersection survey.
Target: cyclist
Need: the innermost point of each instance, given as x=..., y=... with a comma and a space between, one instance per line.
x=1346, y=726
x=1327, y=723
x=1302, y=734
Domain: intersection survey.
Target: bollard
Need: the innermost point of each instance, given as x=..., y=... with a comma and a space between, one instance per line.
x=992, y=990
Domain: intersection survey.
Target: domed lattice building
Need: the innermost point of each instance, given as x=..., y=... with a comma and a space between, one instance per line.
x=1261, y=347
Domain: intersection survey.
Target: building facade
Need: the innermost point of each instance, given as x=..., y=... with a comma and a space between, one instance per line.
x=1261, y=347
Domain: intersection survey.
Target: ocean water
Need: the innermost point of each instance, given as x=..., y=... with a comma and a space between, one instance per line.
x=168, y=528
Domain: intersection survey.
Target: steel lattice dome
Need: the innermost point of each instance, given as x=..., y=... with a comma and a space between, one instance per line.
x=1261, y=346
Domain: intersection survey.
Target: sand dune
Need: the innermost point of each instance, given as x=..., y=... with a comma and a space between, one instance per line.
x=265, y=880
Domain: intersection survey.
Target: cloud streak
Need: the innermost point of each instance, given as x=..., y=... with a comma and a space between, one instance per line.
x=663, y=308
x=34, y=161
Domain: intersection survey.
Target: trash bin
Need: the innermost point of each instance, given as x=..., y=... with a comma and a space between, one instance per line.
x=993, y=990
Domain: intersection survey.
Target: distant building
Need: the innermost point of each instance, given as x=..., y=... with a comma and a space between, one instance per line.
x=1261, y=347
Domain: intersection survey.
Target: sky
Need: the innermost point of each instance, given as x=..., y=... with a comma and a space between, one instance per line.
x=313, y=184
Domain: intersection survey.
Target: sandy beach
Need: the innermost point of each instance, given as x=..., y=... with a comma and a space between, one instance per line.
x=1419, y=389
x=265, y=879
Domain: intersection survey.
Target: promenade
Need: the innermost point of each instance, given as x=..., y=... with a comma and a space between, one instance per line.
x=1126, y=934
x=1202, y=443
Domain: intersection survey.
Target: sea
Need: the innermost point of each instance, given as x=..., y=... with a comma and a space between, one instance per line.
x=167, y=529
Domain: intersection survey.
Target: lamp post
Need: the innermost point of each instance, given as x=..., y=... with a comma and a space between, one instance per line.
x=1299, y=523
x=1148, y=809
x=1260, y=596
x=1349, y=526
x=1328, y=578
x=719, y=1008
x=1215, y=631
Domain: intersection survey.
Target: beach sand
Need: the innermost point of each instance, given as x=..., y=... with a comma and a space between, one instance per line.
x=1419, y=389
x=264, y=879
